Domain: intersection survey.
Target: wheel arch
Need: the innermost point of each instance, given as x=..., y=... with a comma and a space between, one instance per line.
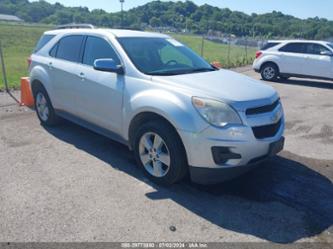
x=35, y=84
x=270, y=62
x=144, y=117
x=40, y=76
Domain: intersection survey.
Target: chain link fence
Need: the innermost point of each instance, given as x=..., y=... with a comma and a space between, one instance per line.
x=228, y=50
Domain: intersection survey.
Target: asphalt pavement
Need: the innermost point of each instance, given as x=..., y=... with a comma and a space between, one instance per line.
x=70, y=184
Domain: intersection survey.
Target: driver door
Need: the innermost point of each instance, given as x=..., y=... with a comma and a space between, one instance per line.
x=100, y=94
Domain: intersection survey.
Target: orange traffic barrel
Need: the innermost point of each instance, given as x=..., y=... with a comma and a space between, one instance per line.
x=217, y=64
x=27, y=98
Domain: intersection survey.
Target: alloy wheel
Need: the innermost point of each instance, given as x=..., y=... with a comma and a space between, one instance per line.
x=154, y=154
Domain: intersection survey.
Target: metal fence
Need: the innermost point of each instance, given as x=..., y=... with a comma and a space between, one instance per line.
x=234, y=51
x=228, y=50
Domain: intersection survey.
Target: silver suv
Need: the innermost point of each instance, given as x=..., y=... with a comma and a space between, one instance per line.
x=176, y=112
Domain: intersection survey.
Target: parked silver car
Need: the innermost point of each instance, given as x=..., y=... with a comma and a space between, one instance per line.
x=176, y=112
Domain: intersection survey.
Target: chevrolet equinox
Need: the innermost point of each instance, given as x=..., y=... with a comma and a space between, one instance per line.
x=175, y=111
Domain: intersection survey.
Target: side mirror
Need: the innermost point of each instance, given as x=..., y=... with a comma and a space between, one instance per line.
x=327, y=53
x=108, y=65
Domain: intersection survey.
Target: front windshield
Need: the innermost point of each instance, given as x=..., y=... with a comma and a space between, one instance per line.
x=330, y=44
x=159, y=56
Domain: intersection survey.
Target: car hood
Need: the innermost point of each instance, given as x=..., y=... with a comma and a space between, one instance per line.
x=225, y=85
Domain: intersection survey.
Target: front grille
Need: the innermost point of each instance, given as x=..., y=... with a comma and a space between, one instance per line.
x=266, y=131
x=263, y=109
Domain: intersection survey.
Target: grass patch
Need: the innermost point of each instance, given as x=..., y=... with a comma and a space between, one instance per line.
x=19, y=40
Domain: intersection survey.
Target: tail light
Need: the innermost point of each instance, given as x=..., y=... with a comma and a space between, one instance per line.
x=29, y=60
x=258, y=54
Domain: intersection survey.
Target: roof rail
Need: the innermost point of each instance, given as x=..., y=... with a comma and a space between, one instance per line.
x=76, y=26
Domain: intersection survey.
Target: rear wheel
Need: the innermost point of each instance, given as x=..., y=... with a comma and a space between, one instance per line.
x=44, y=108
x=269, y=72
x=159, y=151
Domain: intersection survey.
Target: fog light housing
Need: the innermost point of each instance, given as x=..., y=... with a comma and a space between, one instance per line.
x=222, y=155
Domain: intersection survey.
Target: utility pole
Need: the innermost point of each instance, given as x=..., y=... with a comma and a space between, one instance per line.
x=122, y=13
x=186, y=26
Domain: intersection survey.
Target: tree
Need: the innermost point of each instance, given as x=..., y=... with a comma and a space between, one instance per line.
x=155, y=22
x=199, y=19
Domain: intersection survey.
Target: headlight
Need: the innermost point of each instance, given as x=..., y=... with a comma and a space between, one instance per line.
x=215, y=112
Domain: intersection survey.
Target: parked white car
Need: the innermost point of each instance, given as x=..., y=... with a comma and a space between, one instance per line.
x=296, y=58
x=176, y=112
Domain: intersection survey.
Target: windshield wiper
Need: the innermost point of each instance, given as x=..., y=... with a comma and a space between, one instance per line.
x=199, y=70
x=165, y=73
x=177, y=72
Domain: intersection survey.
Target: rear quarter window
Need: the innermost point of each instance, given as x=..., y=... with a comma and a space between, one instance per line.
x=42, y=42
x=69, y=48
x=296, y=47
x=269, y=45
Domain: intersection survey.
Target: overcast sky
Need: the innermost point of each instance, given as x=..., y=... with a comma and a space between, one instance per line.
x=299, y=8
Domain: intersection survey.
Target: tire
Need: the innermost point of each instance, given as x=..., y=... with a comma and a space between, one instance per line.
x=165, y=164
x=44, y=109
x=269, y=72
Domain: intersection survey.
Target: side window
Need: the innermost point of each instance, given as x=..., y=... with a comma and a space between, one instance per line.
x=293, y=48
x=69, y=48
x=98, y=48
x=53, y=51
x=317, y=49
x=42, y=42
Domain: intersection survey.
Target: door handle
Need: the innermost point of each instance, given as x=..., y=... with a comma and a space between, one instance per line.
x=50, y=65
x=82, y=76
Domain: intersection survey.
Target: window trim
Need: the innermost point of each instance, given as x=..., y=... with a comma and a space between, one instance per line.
x=35, y=50
x=58, y=43
x=273, y=45
x=55, y=45
x=108, y=42
x=83, y=47
x=300, y=43
x=318, y=44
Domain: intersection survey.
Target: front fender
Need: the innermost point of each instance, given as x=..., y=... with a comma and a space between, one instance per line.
x=178, y=110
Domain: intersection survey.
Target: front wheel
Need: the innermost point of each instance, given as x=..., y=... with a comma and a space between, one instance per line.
x=160, y=153
x=269, y=72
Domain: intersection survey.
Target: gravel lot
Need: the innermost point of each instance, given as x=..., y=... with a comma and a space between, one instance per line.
x=69, y=184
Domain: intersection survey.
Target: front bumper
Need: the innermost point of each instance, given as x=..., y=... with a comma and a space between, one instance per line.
x=239, y=140
x=217, y=175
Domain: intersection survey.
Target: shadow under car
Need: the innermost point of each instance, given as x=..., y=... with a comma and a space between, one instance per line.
x=282, y=201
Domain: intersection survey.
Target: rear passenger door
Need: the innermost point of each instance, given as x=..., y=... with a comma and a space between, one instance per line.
x=316, y=64
x=65, y=72
x=292, y=57
x=100, y=94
